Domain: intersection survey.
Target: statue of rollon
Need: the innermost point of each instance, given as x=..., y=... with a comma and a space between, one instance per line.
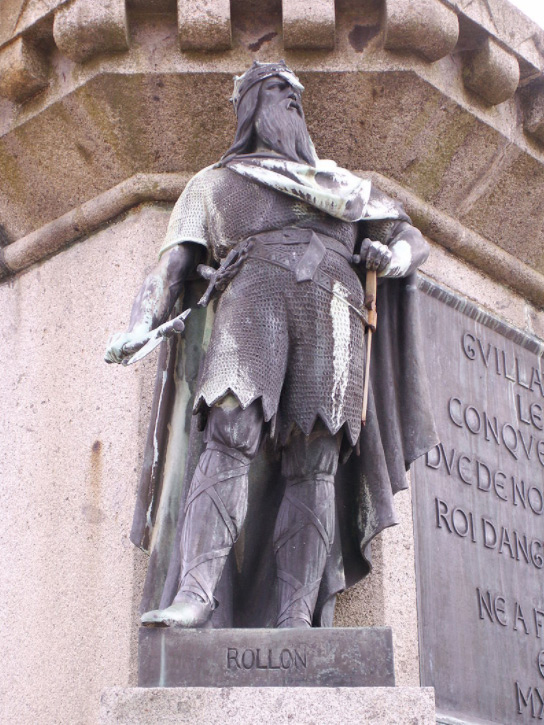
x=261, y=490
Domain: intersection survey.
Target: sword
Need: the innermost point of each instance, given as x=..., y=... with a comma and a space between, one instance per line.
x=370, y=303
x=137, y=350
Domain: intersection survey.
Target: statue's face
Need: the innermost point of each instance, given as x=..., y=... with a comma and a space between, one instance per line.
x=277, y=93
x=279, y=121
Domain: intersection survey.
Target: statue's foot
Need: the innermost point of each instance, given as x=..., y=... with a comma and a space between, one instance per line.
x=188, y=613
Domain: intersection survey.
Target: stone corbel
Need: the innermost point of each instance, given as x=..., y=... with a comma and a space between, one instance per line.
x=308, y=26
x=533, y=110
x=491, y=72
x=426, y=27
x=85, y=28
x=23, y=70
x=204, y=25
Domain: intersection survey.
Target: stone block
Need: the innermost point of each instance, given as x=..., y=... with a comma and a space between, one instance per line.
x=491, y=72
x=533, y=110
x=240, y=705
x=204, y=24
x=337, y=657
x=83, y=29
x=23, y=70
x=308, y=25
x=426, y=27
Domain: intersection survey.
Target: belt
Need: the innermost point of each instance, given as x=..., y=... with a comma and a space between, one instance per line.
x=307, y=267
x=301, y=235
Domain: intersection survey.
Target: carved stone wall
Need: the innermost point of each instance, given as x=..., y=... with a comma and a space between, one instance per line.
x=106, y=109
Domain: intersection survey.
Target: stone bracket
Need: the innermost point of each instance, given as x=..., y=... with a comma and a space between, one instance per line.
x=204, y=25
x=426, y=27
x=491, y=72
x=23, y=70
x=533, y=110
x=309, y=26
x=83, y=29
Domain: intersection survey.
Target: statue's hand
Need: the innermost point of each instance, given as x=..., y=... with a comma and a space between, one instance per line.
x=122, y=345
x=374, y=255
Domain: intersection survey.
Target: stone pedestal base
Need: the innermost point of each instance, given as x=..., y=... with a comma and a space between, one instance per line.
x=243, y=705
x=318, y=657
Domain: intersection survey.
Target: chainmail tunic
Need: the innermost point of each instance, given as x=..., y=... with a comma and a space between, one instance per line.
x=293, y=344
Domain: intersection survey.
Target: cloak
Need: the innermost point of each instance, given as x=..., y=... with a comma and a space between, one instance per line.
x=399, y=429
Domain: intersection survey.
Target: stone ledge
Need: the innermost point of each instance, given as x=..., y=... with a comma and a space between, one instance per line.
x=469, y=246
x=441, y=228
x=85, y=219
x=301, y=705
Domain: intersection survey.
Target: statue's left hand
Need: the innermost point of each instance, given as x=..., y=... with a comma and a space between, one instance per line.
x=373, y=255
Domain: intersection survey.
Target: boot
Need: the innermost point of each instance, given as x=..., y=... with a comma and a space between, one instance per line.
x=305, y=524
x=214, y=514
x=302, y=541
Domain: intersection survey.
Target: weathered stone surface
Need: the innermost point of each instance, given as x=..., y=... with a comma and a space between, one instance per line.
x=492, y=73
x=338, y=657
x=204, y=24
x=449, y=270
x=18, y=16
x=426, y=27
x=23, y=70
x=466, y=163
x=72, y=468
x=87, y=218
x=533, y=110
x=236, y=706
x=84, y=29
x=388, y=597
x=507, y=23
x=308, y=25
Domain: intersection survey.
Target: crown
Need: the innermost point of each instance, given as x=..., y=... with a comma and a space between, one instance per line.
x=258, y=72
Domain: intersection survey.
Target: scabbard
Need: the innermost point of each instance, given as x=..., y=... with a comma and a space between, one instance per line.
x=371, y=288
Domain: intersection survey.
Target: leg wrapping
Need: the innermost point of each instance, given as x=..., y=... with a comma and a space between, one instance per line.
x=302, y=540
x=217, y=500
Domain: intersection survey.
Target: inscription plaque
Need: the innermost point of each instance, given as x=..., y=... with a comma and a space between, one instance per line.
x=174, y=657
x=479, y=517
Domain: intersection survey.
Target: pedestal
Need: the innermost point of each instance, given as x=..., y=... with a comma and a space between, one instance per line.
x=244, y=705
x=337, y=657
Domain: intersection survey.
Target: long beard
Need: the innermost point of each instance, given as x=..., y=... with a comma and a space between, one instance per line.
x=286, y=133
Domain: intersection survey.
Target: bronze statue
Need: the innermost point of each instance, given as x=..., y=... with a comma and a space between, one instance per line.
x=284, y=240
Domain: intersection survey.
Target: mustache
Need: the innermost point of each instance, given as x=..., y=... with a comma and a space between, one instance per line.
x=283, y=128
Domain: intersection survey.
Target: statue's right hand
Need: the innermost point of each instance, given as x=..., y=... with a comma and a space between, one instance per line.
x=122, y=345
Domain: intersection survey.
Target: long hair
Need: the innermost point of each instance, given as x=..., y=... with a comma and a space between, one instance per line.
x=245, y=137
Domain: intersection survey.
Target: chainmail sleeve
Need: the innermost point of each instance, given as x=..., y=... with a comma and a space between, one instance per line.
x=189, y=219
